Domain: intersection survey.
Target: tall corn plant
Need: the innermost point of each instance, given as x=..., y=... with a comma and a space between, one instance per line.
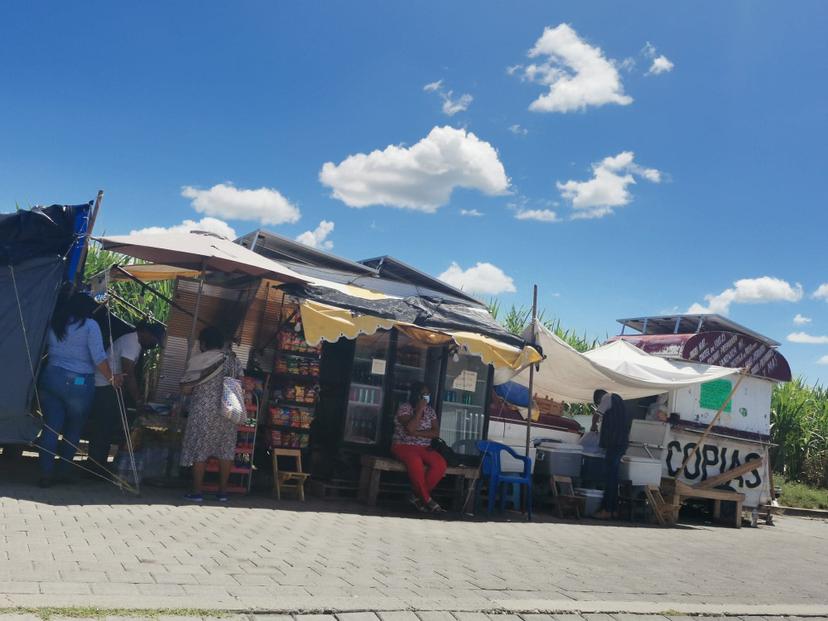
x=799, y=430
x=135, y=302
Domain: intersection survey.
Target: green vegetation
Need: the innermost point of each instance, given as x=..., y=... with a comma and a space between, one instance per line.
x=517, y=318
x=800, y=495
x=799, y=429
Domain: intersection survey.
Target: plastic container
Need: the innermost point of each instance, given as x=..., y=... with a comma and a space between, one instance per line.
x=640, y=470
x=593, y=499
x=558, y=458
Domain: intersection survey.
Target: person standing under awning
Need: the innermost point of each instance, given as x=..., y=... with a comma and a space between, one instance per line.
x=614, y=439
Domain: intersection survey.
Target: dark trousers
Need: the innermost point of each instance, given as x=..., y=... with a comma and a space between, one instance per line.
x=105, y=426
x=612, y=464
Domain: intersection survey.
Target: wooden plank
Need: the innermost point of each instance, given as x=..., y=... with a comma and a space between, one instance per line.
x=685, y=491
x=731, y=474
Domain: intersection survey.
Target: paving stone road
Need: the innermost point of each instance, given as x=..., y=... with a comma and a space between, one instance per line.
x=93, y=545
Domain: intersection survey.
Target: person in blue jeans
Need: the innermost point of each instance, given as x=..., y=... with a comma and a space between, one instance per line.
x=614, y=439
x=67, y=384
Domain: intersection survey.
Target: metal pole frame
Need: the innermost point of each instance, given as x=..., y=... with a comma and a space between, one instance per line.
x=531, y=371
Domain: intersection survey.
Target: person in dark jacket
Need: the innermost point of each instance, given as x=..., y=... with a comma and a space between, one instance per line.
x=614, y=439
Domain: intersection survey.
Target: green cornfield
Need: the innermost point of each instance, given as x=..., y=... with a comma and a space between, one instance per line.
x=799, y=431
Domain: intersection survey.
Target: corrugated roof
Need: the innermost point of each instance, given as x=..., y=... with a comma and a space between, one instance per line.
x=691, y=324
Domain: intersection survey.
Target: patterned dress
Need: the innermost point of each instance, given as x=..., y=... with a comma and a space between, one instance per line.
x=208, y=433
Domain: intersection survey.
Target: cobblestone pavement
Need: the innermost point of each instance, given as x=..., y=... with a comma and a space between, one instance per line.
x=92, y=545
x=422, y=616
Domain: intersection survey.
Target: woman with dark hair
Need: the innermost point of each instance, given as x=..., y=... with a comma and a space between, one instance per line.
x=415, y=426
x=209, y=433
x=67, y=384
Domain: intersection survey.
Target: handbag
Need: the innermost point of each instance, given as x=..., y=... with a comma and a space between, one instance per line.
x=232, y=400
x=445, y=451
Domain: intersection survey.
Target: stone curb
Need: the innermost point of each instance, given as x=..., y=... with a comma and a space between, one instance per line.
x=800, y=512
x=386, y=605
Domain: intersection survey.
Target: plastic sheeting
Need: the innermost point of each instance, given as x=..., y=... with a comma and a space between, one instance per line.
x=572, y=377
x=38, y=283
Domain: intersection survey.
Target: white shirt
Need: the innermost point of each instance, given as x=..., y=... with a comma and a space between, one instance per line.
x=605, y=403
x=126, y=346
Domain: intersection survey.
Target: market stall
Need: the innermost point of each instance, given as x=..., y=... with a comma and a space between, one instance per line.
x=327, y=360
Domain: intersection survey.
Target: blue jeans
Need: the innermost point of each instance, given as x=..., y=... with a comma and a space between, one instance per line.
x=66, y=398
x=612, y=464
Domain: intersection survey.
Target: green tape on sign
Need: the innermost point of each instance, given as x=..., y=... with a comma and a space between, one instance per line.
x=713, y=395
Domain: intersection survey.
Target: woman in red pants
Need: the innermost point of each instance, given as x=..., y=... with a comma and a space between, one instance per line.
x=414, y=427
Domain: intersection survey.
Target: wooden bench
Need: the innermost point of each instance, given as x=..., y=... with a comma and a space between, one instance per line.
x=373, y=467
x=683, y=490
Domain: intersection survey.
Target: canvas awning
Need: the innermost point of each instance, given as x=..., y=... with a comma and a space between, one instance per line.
x=569, y=376
x=323, y=322
x=197, y=251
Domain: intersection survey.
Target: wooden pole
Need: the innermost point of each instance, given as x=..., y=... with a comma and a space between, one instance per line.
x=531, y=371
x=743, y=374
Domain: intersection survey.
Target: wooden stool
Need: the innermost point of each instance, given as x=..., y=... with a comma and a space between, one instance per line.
x=563, y=493
x=291, y=479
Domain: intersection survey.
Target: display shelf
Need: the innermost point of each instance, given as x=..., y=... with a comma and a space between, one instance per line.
x=407, y=367
x=296, y=377
x=461, y=405
x=245, y=449
x=286, y=428
x=370, y=386
x=364, y=404
x=313, y=355
x=295, y=404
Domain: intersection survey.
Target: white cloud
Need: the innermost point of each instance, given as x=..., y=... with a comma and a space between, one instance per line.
x=264, y=205
x=451, y=106
x=578, y=75
x=823, y=360
x=821, y=293
x=471, y=212
x=512, y=70
x=517, y=130
x=540, y=215
x=801, y=320
x=211, y=225
x=750, y=291
x=318, y=238
x=660, y=64
x=608, y=188
x=804, y=338
x=482, y=278
x=421, y=177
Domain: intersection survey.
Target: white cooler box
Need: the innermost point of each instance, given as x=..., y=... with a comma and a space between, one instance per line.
x=640, y=470
x=558, y=458
x=593, y=499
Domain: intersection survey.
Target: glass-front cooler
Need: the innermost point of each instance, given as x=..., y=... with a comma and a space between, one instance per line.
x=363, y=419
x=464, y=399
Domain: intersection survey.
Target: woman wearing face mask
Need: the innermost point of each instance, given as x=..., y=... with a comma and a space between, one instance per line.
x=414, y=427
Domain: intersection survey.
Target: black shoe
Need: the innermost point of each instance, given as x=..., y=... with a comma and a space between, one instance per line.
x=433, y=506
x=418, y=504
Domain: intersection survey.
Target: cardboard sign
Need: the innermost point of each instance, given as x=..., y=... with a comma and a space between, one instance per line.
x=467, y=380
x=377, y=366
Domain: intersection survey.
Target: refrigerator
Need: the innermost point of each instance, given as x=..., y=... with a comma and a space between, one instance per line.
x=464, y=401
x=363, y=417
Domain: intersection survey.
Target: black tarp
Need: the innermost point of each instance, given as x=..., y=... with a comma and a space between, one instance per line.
x=421, y=311
x=35, y=246
x=38, y=284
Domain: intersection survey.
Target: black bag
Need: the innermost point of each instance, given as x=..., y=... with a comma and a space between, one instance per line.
x=452, y=458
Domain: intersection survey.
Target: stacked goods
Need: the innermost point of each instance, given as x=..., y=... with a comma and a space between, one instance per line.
x=288, y=440
x=283, y=416
x=295, y=365
x=290, y=340
x=301, y=394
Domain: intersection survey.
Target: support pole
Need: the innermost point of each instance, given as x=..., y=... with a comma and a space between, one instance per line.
x=89, y=226
x=531, y=371
x=191, y=340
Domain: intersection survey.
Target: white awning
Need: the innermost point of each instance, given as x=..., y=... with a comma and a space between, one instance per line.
x=572, y=377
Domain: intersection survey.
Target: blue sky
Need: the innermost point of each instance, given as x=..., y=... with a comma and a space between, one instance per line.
x=704, y=172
